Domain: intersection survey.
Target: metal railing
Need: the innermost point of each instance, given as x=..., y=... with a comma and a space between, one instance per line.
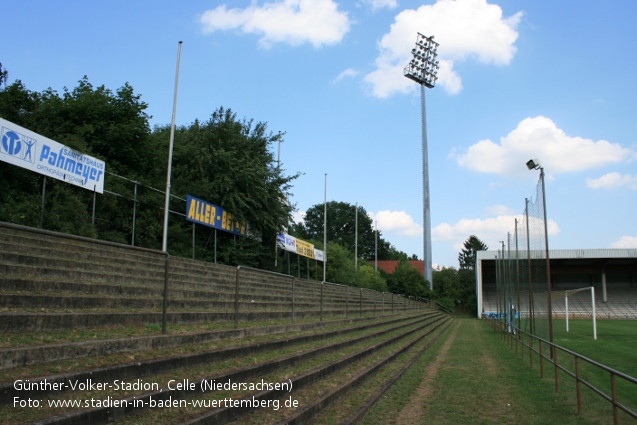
x=401, y=302
x=540, y=347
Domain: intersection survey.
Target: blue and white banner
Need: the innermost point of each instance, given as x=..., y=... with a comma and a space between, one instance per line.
x=26, y=149
x=301, y=247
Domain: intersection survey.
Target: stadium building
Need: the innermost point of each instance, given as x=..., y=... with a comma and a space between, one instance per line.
x=611, y=272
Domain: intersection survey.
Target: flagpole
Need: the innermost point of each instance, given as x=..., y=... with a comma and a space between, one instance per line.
x=164, y=246
x=325, y=228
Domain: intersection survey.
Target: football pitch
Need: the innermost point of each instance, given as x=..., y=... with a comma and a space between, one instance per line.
x=615, y=347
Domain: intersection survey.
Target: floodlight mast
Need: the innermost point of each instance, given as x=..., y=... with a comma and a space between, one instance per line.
x=534, y=164
x=423, y=69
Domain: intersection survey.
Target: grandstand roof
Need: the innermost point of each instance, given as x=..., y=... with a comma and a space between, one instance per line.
x=565, y=263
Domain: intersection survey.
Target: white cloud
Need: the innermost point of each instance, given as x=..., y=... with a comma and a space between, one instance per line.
x=318, y=22
x=495, y=210
x=379, y=4
x=490, y=230
x=613, y=181
x=625, y=242
x=540, y=138
x=464, y=29
x=397, y=222
x=348, y=73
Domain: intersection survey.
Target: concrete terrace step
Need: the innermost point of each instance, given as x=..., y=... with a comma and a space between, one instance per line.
x=38, y=354
x=333, y=356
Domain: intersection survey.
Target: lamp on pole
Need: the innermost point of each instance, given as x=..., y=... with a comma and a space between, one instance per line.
x=534, y=164
x=423, y=69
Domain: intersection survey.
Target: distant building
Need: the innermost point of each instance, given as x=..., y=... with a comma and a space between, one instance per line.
x=389, y=266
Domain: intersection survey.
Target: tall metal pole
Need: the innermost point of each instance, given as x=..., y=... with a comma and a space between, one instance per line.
x=548, y=260
x=325, y=228
x=356, y=239
x=376, y=248
x=164, y=246
x=423, y=69
x=276, y=238
x=425, y=193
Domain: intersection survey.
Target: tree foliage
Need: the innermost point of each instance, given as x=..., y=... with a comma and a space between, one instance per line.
x=407, y=280
x=341, y=228
x=4, y=76
x=467, y=256
x=224, y=160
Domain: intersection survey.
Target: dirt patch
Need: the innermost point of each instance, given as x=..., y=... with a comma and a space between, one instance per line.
x=414, y=409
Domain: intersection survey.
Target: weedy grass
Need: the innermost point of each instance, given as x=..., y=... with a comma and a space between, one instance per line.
x=481, y=380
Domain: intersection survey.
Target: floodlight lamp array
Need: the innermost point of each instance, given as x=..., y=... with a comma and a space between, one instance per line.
x=423, y=68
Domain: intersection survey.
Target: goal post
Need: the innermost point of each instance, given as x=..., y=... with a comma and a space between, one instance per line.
x=575, y=291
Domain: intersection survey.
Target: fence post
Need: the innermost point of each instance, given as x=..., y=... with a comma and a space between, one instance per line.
x=579, y=386
x=164, y=307
x=293, y=282
x=613, y=387
x=531, y=349
x=322, y=283
x=557, y=369
x=236, y=298
x=541, y=360
x=347, y=302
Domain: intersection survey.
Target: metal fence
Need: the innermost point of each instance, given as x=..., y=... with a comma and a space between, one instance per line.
x=570, y=364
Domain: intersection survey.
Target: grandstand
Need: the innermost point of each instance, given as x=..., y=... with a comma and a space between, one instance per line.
x=612, y=272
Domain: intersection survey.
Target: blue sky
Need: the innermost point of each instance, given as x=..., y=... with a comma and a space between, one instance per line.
x=546, y=79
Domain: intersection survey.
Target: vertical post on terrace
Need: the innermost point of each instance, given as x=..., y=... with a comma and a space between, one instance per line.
x=164, y=306
x=132, y=242
x=347, y=302
x=94, y=201
x=293, y=282
x=236, y=297
x=360, y=304
x=43, y=198
x=164, y=245
x=322, y=284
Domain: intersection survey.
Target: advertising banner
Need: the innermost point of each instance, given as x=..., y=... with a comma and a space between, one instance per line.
x=26, y=149
x=305, y=249
x=292, y=244
x=210, y=215
x=318, y=255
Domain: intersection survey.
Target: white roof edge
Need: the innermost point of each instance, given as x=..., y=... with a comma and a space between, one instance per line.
x=562, y=254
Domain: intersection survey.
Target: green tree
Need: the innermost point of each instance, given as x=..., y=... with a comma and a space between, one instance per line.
x=407, y=280
x=110, y=126
x=369, y=278
x=467, y=256
x=341, y=228
x=340, y=264
x=4, y=76
x=228, y=162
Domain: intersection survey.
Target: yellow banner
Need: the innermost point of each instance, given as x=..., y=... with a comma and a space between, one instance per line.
x=305, y=249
